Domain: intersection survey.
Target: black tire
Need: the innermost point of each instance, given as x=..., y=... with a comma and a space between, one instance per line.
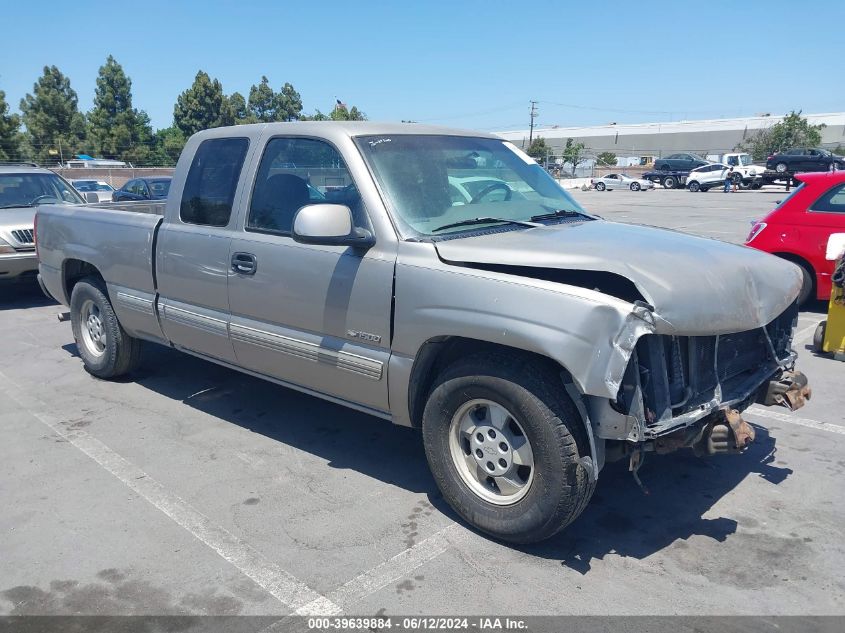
x=736, y=179
x=600, y=186
x=121, y=353
x=561, y=487
x=808, y=284
x=781, y=168
x=635, y=186
x=669, y=182
x=818, y=337
x=694, y=186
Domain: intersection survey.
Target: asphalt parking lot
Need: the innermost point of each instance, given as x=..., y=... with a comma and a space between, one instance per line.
x=193, y=489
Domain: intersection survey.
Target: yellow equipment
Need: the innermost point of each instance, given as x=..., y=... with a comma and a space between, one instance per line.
x=830, y=334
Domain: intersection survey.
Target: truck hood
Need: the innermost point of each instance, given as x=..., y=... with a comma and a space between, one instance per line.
x=697, y=286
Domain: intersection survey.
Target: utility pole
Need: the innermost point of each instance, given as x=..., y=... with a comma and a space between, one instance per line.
x=531, y=127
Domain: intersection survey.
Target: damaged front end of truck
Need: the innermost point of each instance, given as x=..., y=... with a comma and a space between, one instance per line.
x=689, y=391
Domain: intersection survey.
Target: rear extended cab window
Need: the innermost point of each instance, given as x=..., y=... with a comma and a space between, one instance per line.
x=212, y=180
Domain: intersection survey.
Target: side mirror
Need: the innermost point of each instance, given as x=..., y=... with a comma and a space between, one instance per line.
x=329, y=225
x=91, y=197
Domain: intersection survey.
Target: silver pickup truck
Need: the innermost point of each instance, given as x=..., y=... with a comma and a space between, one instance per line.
x=441, y=280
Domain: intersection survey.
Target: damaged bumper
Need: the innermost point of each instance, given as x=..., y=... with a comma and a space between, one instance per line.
x=688, y=391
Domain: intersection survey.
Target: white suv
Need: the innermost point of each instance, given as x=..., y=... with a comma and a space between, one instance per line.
x=706, y=177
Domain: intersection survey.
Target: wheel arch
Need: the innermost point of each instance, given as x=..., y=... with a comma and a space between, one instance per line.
x=802, y=261
x=439, y=352
x=74, y=270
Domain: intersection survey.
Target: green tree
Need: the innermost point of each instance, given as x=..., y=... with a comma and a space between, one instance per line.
x=54, y=126
x=341, y=112
x=606, y=159
x=262, y=101
x=538, y=149
x=793, y=131
x=288, y=104
x=116, y=129
x=202, y=106
x=238, y=109
x=10, y=135
x=573, y=153
x=169, y=142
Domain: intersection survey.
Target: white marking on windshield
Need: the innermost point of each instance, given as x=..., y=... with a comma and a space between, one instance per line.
x=379, y=141
x=525, y=157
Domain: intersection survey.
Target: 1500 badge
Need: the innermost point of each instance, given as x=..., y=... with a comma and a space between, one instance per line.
x=374, y=338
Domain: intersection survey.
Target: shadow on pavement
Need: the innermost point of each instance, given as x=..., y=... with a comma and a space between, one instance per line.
x=346, y=438
x=620, y=519
x=20, y=295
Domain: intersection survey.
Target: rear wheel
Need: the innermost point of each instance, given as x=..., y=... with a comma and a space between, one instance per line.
x=669, y=182
x=107, y=351
x=781, y=168
x=503, y=442
x=694, y=186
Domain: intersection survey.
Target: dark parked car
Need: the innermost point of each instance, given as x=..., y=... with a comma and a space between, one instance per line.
x=143, y=189
x=680, y=162
x=804, y=159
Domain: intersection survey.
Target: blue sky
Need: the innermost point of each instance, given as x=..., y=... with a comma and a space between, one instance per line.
x=465, y=64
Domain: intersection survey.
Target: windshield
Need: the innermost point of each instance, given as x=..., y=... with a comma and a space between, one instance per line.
x=745, y=159
x=433, y=181
x=28, y=190
x=159, y=188
x=91, y=185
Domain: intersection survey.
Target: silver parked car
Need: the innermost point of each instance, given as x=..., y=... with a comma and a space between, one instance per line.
x=22, y=189
x=103, y=189
x=621, y=181
x=529, y=340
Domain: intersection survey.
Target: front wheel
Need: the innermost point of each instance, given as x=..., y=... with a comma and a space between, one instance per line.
x=694, y=186
x=635, y=186
x=600, y=186
x=503, y=441
x=107, y=351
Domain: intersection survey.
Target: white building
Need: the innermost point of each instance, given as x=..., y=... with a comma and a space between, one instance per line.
x=713, y=136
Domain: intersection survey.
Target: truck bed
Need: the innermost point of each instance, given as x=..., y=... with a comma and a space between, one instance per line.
x=152, y=208
x=116, y=238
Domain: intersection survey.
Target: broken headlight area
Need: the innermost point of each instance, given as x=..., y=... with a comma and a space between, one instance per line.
x=688, y=391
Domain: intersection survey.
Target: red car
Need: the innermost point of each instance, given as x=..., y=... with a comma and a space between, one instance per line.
x=799, y=227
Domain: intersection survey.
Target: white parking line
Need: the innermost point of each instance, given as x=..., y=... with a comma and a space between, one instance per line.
x=805, y=333
x=793, y=419
x=399, y=566
x=282, y=585
x=382, y=575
